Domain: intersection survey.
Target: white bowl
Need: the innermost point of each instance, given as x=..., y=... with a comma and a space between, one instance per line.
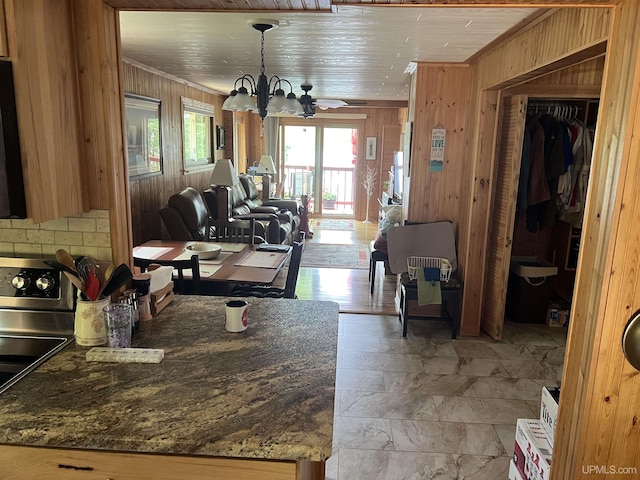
x=205, y=250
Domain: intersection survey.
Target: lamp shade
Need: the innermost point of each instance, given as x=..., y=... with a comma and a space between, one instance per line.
x=266, y=165
x=224, y=173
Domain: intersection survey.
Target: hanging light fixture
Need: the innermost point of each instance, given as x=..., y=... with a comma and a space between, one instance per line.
x=264, y=96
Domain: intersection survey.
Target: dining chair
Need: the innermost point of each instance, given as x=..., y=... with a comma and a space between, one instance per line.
x=235, y=231
x=180, y=266
x=266, y=291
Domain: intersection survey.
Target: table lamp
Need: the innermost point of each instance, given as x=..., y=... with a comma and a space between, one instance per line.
x=266, y=165
x=223, y=177
x=267, y=168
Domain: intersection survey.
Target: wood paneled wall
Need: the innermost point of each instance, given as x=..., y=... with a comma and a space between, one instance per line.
x=600, y=401
x=374, y=126
x=561, y=40
x=566, y=37
x=149, y=195
x=104, y=168
x=440, y=101
x=391, y=143
x=583, y=80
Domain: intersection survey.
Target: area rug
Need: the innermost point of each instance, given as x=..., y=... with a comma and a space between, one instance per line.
x=334, y=224
x=335, y=256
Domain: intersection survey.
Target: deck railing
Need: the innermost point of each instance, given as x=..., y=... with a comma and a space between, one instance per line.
x=337, y=184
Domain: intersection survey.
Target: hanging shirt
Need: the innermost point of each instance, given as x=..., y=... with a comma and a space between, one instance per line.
x=525, y=166
x=538, y=187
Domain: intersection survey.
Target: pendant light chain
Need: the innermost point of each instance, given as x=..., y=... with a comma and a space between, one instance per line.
x=262, y=98
x=262, y=53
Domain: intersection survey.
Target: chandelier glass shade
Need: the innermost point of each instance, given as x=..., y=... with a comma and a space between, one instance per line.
x=264, y=96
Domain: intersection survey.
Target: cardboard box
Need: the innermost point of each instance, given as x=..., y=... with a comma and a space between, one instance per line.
x=532, y=451
x=518, y=460
x=549, y=411
x=514, y=473
x=558, y=315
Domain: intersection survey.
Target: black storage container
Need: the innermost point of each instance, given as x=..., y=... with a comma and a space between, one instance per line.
x=530, y=288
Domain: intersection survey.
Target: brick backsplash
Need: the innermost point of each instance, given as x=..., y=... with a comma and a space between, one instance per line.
x=84, y=234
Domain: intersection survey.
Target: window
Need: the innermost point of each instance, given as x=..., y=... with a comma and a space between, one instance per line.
x=197, y=133
x=143, y=135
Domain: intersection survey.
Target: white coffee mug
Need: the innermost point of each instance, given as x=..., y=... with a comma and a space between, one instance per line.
x=236, y=315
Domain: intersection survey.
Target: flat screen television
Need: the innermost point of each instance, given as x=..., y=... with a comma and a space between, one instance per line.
x=398, y=176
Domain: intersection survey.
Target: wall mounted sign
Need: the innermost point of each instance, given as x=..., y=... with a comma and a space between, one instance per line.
x=438, y=138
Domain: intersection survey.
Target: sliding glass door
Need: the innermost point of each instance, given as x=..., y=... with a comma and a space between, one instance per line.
x=320, y=161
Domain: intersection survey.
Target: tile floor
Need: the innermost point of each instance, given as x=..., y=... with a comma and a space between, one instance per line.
x=428, y=407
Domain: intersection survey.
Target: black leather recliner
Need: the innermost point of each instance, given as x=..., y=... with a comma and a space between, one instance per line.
x=186, y=216
x=286, y=208
x=267, y=223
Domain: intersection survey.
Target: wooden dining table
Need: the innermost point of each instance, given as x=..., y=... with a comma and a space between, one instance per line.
x=225, y=269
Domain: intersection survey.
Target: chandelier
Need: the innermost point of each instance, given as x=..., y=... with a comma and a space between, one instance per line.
x=264, y=96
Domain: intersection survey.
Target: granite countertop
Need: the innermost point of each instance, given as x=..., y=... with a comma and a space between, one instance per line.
x=267, y=392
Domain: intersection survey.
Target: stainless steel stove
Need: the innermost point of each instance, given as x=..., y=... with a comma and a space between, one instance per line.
x=36, y=316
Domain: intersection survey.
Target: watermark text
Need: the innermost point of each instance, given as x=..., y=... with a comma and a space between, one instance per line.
x=608, y=470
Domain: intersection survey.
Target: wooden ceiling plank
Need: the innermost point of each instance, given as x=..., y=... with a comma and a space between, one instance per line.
x=326, y=5
x=481, y=3
x=222, y=5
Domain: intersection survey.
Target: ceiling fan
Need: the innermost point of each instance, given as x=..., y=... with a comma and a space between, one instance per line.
x=309, y=104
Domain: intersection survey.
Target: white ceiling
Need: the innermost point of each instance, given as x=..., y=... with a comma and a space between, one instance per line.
x=355, y=53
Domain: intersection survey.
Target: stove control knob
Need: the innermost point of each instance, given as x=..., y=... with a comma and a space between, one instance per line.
x=45, y=283
x=20, y=282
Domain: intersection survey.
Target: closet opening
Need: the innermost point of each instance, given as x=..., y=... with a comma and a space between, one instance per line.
x=542, y=162
x=551, y=193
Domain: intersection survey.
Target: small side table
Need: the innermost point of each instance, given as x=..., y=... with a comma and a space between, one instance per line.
x=450, y=308
x=375, y=256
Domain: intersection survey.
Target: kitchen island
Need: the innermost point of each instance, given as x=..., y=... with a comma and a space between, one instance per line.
x=251, y=405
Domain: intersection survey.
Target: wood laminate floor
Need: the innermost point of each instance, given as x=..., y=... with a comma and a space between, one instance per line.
x=348, y=287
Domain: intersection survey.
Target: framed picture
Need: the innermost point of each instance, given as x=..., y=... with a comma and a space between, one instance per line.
x=371, y=148
x=221, y=142
x=144, y=147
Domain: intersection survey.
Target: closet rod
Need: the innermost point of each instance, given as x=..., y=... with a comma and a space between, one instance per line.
x=564, y=109
x=566, y=103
